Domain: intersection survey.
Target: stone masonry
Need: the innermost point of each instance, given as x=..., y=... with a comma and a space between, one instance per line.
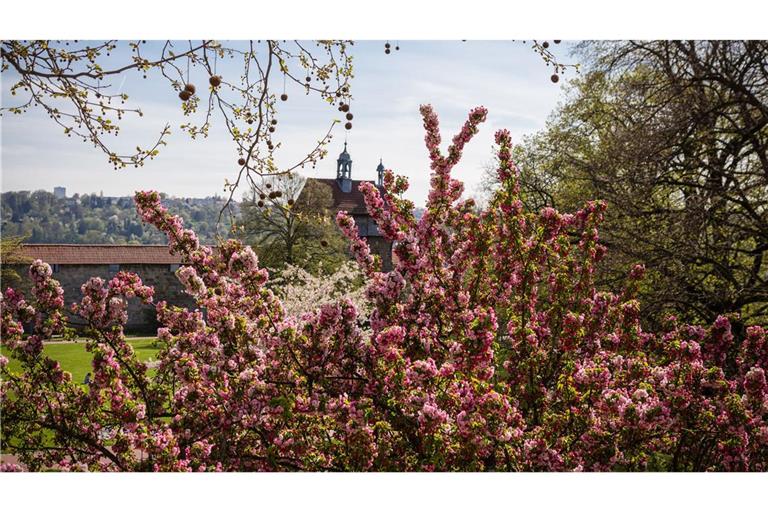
x=73, y=265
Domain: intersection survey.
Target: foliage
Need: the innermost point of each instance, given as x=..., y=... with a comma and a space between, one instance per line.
x=290, y=223
x=10, y=257
x=673, y=135
x=490, y=349
x=93, y=219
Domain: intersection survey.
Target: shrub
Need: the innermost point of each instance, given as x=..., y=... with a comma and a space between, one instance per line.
x=489, y=349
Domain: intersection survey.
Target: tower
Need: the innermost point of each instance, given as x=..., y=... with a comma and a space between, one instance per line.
x=344, y=170
x=380, y=172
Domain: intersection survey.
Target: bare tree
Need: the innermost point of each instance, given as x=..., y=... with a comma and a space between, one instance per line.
x=291, y=223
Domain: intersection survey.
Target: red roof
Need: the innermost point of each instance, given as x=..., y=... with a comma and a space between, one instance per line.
x=77, y=254
x=353, y=201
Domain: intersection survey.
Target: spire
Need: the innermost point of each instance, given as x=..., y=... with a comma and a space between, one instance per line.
x=380, y=172
x=344, y=170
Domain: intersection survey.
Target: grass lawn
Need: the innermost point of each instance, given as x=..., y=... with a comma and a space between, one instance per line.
x=74, y=358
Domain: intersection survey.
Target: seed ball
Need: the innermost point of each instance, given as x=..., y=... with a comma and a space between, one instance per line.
x=348, y=126
x=350, y=116
x=262, y=196
x=185, y=95
x=290, y=202
x=215, y=80
x=271, y=129
x=387, y=45
x=284, y=97
x=241, y=161
x=308, y=79
x=557, y=41
x=269, y=185
x=545, y=44
x=345, y=107
x=345, y=89
x=278, y=193
x=338, y=95
x=274, y=121
x=272, y=195
x=190, y=88
x=386, y=51
x=249, y=120
x=397, y=48
x=323, y=243
x=261, y=204
x=555, y=78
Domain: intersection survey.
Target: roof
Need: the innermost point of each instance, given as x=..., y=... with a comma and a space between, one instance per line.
x=353, y=202
x=344, y=156
x=82, y=254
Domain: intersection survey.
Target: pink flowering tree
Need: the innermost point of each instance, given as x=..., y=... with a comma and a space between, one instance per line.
x=487, y=347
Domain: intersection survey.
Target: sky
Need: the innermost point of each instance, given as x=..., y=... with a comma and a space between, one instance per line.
x=506, y=77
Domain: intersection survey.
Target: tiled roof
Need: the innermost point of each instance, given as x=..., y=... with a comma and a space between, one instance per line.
x=353, y=202
x=70, y=254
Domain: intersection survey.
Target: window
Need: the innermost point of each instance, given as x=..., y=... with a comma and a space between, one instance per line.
x=114, y=268
x=174, y=267
x=55, y=268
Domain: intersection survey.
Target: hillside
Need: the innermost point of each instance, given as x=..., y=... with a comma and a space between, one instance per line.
x=94, y=219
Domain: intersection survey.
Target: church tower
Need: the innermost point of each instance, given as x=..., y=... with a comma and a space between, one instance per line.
x=344, y=171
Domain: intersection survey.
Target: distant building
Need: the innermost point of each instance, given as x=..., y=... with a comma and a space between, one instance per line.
x=73, y=265
x=347, y=196
x=59, y=192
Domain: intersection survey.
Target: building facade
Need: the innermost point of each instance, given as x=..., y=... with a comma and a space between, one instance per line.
x=73, y=265
x=347, y=197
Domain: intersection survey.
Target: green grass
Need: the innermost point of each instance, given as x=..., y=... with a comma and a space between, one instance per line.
x=74, y=358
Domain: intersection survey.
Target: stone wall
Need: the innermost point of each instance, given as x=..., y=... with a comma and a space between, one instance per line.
x=141, y=318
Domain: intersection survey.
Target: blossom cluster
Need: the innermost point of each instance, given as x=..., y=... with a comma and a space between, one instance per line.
x=301, y=291
x=486, y=347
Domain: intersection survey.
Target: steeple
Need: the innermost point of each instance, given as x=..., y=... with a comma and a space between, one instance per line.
x=344, y=170
x=380, y=172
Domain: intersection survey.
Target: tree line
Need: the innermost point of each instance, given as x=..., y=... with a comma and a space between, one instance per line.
x=40, y=217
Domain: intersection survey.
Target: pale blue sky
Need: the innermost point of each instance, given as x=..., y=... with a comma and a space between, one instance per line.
x=506, y=77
